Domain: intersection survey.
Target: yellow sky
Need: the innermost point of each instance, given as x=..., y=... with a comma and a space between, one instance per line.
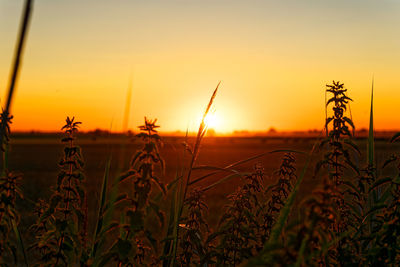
x=273, y=59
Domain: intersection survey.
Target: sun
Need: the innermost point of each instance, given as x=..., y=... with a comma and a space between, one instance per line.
x=211, y=120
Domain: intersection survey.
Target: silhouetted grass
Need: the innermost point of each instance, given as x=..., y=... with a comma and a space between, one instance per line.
x=146, y=218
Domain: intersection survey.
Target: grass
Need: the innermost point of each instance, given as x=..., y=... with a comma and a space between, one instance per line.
x=352, y=218
x=147, y=222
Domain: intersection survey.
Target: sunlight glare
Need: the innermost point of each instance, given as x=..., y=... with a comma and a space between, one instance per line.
x=211, y=120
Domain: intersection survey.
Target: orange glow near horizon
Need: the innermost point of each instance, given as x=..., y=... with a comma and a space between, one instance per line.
x=273, y=60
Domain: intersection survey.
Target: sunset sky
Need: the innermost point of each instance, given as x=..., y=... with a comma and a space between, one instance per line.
x=273, y=59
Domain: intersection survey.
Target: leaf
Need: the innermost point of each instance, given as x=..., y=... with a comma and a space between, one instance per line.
x=160, y=185
x=330, y=100
x=111, y=226
x=213, y=168
x=395, y=137
x=390, y=160
x=112, y=204
x=380, y=182
x=20, y=241
x=240, y=162
x=125, y=176
x=328, y=120
x=135, y=157
x=352, y=186
x=224, y=179
x=102, y=206
x=352, y=145
x=372, y=210
x=349, y=121
x=157, y=211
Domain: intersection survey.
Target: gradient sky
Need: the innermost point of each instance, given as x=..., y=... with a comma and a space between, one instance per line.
x=273, y=58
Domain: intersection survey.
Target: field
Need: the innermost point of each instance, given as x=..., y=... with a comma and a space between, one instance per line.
x=223, y=201
x=37, y=157
x=144, y=198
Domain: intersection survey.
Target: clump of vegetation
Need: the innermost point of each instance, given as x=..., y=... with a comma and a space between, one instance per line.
x=135, y=243
x=5, y=121
x=280, y=191
x=238, y=225
x=61, y=227
x=9, y=216
x=194, y=248
x=385, y=229
x=336, y=159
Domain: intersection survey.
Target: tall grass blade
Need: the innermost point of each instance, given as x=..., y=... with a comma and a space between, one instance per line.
x=326, y=113
x=100, y=216
x=20, y=242
x=200, y=134
x=170, y=230
x=127, y=106
x=183, y=189
x=176, y=215
x=175, y=187
x=16, y=65
x=5, y=160
x=226, y=178
x=242, y=162
x=395, y=137
x=371, y=145
x=170, y=244
x=371, y=157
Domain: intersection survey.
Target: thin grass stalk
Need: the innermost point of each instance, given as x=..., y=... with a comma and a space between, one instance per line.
x=20, y=242
x=371, y=145
x=241, y=174
x=4, y=127
x=125, y=123
x=5, y=160
x=326, y=113
x=127, y=105
x=227, y=167
x=371, y=155
x=100, y=216
x=16, y=64
x=176, y=188
x=181, y=200
x=200, y=135
x=170, y=228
